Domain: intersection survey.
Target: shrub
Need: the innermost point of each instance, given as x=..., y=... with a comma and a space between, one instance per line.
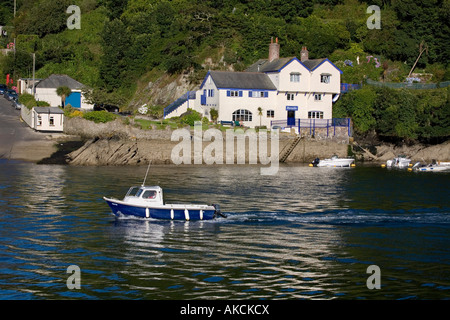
x=99, y=116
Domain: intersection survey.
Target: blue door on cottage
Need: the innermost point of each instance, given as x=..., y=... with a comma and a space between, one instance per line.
x=291, y=115
x=74, y=100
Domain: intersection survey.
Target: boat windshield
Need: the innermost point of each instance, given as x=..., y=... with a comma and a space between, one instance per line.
x=134, y=192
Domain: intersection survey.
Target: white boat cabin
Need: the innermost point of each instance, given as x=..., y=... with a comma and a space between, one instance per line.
x=144, y=195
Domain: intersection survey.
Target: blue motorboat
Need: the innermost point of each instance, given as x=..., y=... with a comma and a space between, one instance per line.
x=147, y=202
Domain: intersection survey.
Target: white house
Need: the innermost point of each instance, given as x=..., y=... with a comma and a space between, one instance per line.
x=272, y=91
x=45, y=90
x=48, y=119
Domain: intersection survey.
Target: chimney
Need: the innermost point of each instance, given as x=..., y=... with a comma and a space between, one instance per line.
x=274, y=50
x=304, y=54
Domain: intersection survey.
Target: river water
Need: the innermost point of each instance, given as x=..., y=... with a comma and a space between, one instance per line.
x=305, y=233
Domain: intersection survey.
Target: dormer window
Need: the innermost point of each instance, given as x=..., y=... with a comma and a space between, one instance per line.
x=325, y=78
x=295, y=77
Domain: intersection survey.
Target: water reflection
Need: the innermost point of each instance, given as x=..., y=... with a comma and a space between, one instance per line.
x=304, y=233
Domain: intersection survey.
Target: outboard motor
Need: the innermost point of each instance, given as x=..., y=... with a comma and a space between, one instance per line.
x=315, y=162
x=217, y=212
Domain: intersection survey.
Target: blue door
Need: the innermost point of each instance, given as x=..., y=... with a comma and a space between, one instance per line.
x=74, y=100
x=291, y=118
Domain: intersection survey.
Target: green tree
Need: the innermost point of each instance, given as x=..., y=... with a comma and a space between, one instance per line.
x=214, y=114
x=63, y=92
x=115, y=44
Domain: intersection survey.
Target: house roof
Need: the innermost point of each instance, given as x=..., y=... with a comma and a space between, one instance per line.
x=240, y=80
x=59, y=80
x=54, y=110
x=263, y=65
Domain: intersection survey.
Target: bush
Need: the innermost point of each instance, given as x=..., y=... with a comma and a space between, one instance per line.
x=75, y=113
x=99, y=116
x=190, y=117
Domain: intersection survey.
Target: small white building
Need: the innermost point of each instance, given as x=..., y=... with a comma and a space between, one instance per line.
x=45, y=90
x=47, y=119
x=274, y=91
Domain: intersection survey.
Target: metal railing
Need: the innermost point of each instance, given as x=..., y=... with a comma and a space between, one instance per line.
x=313, y=124
x=190, y=95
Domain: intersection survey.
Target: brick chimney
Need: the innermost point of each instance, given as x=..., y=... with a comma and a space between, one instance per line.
x=274, y=50
x=304, y=54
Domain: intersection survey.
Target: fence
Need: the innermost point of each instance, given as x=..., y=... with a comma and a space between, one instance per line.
x=345, y=87
x=313, y=124
x=408, y=85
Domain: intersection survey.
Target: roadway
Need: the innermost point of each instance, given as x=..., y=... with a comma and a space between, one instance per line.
x=17, y=140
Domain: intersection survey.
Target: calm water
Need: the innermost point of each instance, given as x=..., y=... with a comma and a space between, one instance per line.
x=305, y=233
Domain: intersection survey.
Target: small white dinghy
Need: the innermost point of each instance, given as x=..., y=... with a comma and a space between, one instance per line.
x=334, y=161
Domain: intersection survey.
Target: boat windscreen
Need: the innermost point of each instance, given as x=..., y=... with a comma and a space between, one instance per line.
x=133, y=192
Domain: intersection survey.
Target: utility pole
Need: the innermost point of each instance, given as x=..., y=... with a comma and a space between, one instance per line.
x=34, y=67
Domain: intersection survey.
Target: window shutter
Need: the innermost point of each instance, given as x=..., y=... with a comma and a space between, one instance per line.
x=240, y=93
x=266, y=94
x=249, y=94
x=228, y=93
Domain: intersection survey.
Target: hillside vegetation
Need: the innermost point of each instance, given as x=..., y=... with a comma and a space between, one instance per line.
x=123, y=44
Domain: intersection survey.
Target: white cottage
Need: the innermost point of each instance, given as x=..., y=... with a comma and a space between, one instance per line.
x=47, y=119
x=45, y=90
x=273, y=91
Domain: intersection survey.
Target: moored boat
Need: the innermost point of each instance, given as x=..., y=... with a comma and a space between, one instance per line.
x=400, y=162
x=433, y=167
x=147, y=202
x=334, y=161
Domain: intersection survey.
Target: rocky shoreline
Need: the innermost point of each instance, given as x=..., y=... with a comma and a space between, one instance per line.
x=117, y=144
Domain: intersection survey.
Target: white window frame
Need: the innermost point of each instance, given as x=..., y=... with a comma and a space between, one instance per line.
x=242, y=115
x=325, y=78
x=270, y=113
x=315, y=114
x=290, y=96
x=318, y=97
x=294, y=77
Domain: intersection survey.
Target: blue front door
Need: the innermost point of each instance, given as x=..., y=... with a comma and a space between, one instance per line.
x=291, y=118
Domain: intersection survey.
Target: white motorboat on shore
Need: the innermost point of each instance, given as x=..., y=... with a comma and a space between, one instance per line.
x=334, y=161
x=400, y=162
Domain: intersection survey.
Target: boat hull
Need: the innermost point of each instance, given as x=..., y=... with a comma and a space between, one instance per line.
x=435, y=169
x=165, y=212
x=335, y=163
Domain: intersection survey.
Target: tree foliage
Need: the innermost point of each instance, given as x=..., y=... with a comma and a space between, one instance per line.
x=398, y=114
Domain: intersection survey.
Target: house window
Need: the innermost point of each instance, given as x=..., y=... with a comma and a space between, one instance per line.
x=39, y=121
x=325, y=78
x=242, y=115
x=234, y=93
x=210, y=92
x=295, y=77
x=317, y=97
x=258, y=94
x=315, y=115
x=270, y=114
x=51, y=121
x=290, y=96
